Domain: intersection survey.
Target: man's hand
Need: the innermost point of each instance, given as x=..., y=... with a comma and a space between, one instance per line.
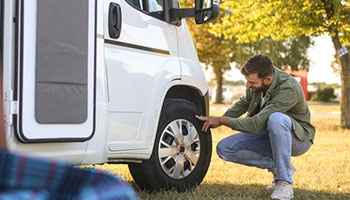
x=212, y=122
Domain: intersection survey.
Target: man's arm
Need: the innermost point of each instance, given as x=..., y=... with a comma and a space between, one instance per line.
x=281, y=102
x=240, y=107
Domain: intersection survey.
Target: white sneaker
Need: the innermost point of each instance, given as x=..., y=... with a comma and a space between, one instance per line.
x=283, y=191
x=274, y=172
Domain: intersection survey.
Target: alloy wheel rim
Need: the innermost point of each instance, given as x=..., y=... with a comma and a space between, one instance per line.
x=179, y=149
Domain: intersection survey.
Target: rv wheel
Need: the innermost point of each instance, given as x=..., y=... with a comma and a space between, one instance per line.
x=181, y=152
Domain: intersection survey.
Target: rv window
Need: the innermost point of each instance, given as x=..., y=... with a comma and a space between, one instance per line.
x=155, y=5
x=150, y=7
x=155, y=8
x=137, y=3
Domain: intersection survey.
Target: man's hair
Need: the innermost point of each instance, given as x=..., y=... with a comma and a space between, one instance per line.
x=260, y=64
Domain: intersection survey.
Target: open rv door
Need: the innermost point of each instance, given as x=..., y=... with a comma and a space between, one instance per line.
x=2, y=121
x=55, y=63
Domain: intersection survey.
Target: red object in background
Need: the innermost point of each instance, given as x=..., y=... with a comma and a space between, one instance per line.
x=302, y=74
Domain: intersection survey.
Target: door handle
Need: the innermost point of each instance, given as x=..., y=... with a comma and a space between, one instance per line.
x=114, y=20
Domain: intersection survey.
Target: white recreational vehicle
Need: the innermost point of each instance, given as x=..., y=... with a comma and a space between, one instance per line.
x=107, y=81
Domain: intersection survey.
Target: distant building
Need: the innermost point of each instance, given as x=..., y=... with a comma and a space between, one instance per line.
x=301, y=76
x=337, y=93
x=312, y=91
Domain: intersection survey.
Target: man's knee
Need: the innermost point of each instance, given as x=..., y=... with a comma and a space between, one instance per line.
x=278, y=120
x=225, y=150
x=220, y=150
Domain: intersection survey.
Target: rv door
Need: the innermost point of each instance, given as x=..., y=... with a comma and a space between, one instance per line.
x=55, y=58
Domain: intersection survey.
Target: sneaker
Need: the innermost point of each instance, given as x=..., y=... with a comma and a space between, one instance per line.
x=274, y=172
x=283, y=191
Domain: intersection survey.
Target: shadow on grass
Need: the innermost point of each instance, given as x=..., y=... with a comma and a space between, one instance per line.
x=239, y=192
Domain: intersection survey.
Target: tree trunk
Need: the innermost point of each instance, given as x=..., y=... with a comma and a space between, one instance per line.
x=218, y=76
x=344, y=63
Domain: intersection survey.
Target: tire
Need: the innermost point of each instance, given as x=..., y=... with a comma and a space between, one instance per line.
x=180, y=157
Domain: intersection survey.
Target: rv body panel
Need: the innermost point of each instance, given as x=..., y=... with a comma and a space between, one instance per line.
x=128, y=85
x=140, y=65
x=191, y=76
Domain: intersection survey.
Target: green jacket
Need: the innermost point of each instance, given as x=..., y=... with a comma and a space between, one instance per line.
x=284, y=95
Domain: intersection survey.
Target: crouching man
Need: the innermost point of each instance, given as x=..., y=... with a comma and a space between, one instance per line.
x=277, y=125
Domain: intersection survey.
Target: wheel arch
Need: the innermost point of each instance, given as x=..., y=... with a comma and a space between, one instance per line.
x=190, y=94
x=185, y=92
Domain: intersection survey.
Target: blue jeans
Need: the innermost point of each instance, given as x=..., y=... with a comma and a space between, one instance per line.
x=271, y=148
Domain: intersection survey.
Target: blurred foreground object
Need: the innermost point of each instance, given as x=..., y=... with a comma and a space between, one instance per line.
x=23, y=178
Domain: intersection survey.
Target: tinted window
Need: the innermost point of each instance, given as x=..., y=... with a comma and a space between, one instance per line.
x=155, y=5
x=137, y=3
x=152, y=7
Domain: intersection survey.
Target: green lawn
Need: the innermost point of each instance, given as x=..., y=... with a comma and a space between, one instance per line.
x=322, y=173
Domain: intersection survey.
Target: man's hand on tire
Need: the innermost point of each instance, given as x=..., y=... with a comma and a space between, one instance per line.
x=213, y=122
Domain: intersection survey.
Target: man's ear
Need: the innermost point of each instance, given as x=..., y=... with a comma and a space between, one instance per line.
x=269, y=79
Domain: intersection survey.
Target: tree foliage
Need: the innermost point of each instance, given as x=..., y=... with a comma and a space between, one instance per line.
x=252, y=20
x=325, y=94
x=219, y=52
x=214, y=51
x=290, y=53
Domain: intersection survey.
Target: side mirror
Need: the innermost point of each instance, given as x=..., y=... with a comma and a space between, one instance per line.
x=203, y=12
x=206, y=10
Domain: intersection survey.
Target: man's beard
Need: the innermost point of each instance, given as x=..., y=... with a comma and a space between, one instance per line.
x=263, y=88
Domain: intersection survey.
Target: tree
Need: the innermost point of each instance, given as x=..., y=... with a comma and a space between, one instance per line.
x=251, y=20
x=219, y=52
x=325, y=94
x=213, y=51
x=291, y=53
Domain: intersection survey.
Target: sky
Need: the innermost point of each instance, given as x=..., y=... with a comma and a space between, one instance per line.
x=321, y=55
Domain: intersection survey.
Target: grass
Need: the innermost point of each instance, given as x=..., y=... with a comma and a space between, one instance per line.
x=322, y=173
